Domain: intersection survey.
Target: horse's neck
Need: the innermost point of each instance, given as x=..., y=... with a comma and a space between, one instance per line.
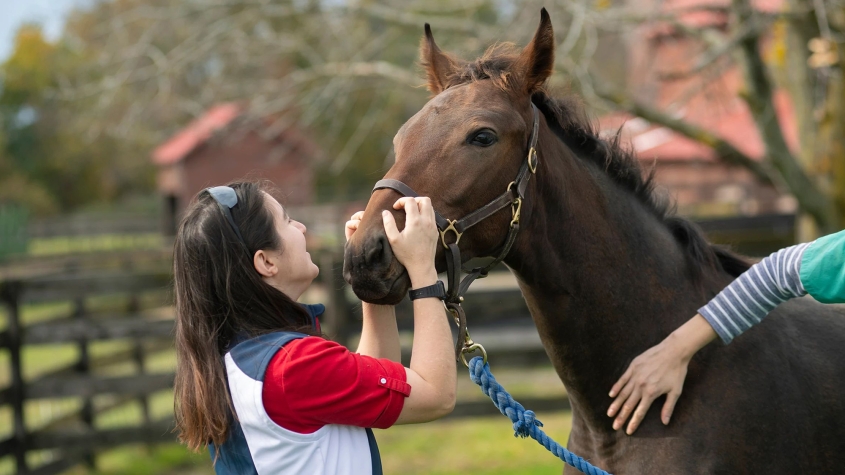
x=603, y=278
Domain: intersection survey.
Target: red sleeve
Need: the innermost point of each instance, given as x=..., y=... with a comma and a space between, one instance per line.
x=312, y=382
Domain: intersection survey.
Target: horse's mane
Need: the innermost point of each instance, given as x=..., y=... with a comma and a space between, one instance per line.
x=567, y=119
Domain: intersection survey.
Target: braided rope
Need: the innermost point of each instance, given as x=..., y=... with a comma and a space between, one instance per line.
x=524, y=422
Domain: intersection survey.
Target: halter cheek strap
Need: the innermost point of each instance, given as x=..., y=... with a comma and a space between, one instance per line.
x=513, y=197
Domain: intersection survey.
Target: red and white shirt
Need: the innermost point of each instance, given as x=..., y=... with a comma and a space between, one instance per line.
x=305, y=406
x=313, y=382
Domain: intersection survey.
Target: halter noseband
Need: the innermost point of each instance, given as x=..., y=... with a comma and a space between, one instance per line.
x=513, y=197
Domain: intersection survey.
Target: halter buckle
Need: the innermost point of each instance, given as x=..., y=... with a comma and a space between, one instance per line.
x=451, y=227
x=470, y=347
x=532, y=160
x=516, y=210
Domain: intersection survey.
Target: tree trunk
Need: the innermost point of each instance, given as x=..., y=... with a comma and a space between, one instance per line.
x=759, y=97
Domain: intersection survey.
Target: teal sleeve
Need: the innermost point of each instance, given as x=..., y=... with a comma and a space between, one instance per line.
x=823, y=268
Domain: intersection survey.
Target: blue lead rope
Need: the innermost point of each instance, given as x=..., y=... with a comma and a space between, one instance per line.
x=524, y=422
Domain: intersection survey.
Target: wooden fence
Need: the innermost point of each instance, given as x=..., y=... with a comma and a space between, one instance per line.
x=94, y=305
x=137, y=313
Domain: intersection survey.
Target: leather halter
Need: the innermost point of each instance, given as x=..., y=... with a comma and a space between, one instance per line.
x=513, y=197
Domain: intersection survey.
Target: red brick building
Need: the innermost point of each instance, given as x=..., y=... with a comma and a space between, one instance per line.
x=659, y=61
x=219, y=147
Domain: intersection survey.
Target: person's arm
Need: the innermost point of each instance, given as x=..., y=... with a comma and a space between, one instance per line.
x=432, y=373
x=741, y=305
x=747, y=300
x=379, y=333
x=823, y=268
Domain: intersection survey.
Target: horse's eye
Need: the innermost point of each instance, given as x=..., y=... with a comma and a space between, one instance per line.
x=483, y=138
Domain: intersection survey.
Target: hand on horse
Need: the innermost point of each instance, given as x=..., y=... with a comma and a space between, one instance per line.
x=416, y=245
x=352, y=224
x=660, y=370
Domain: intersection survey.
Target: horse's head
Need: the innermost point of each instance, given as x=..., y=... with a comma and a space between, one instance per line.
x=462, y=149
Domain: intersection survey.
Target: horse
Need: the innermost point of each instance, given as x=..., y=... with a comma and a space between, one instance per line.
x=607, y=271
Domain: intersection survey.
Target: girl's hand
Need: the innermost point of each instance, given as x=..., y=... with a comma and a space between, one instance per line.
x=416, y=245
x=660, y=370
x=352, y=224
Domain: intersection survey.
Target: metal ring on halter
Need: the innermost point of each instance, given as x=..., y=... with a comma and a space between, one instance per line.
x=451, y=227
x=471, y=347
x=532, y=164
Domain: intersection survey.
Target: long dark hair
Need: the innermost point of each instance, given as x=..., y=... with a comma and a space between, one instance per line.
x=219, y=295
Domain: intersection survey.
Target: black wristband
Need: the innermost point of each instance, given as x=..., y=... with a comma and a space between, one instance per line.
x=437, y=290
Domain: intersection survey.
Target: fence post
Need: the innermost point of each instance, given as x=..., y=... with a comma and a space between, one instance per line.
x=11, y=297
x=83, y=366
x=138, y=355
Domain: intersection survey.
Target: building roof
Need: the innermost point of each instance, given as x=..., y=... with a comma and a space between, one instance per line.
x=195, y=134
x=709, y=99
x=699, y=14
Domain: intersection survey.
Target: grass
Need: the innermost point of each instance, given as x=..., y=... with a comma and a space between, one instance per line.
x=141, y=460
x=481, y=445
x=99, y=243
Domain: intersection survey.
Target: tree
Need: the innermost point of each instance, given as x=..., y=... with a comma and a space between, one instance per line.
x=47, y=163
x=815, y=177
x=327, y=67
x=346, y=70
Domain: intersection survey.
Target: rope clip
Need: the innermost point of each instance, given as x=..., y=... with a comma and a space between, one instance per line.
x=470, y=347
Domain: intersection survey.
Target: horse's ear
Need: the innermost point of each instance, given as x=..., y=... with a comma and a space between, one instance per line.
x=537, y=60
x=438, y=65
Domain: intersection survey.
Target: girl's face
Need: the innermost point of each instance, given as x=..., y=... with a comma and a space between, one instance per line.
x=295, y=270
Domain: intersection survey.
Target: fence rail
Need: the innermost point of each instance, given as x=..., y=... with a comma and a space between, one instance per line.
x=94, y=225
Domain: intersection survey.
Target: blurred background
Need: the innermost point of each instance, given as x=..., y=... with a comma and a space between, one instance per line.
x=115, y=113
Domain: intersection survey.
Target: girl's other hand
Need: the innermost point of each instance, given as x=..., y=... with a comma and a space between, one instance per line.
x=352, y=224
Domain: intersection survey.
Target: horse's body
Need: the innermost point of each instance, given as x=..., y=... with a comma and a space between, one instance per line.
x=606, y=274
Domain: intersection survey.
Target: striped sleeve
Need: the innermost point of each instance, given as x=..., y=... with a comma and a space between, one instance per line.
x=755, y=293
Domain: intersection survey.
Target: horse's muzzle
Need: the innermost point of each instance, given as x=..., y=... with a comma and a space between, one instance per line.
x=372, y=270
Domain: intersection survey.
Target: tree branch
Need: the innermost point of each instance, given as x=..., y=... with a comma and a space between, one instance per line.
x=725, y=150
x=760, y=100
x=715, y=54
x=407, y=18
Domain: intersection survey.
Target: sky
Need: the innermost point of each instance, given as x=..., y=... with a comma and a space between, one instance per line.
x=49, y=13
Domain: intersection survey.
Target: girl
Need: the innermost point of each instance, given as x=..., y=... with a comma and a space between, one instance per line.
x=255, y=380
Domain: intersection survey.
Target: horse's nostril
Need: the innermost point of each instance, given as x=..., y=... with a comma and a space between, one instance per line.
x=376, y=251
